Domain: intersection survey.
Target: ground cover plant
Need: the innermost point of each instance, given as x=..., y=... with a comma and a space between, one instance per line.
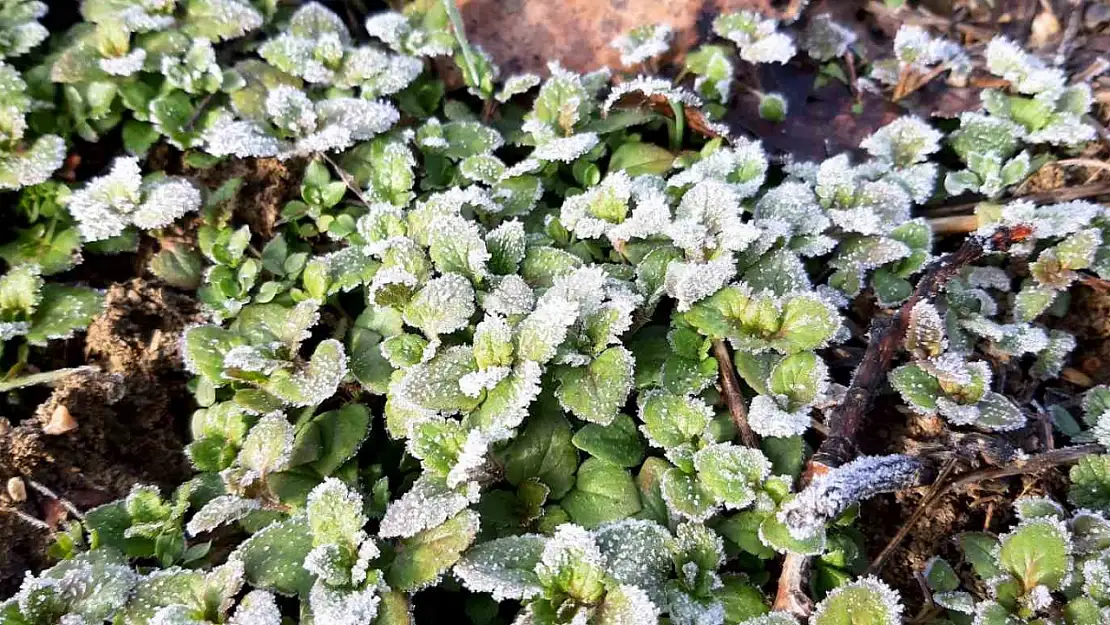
x=453, y=344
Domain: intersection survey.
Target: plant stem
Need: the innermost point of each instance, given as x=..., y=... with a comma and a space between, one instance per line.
x=734, y=399
x=460, y=35
x=679, y=127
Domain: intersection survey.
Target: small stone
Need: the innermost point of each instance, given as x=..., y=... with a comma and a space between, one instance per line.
x=60, y=422
x=17, y=490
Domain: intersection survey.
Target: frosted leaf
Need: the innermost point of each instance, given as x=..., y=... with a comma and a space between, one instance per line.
x=175, y=614
x=35, y=165
x=650, y=217
x=1064, y=130
x=456, y=246
x=825, y=40
x=364, y=119
x=291, y=110
x=830, y=494
x=341, y=606
x=507, y=244
x=124, y=65
x=103, y=206
x=570, y=547
x=258, y=607
x=335, y=514
x=512, y=296
x=591, y=214
x=229, y=137
x=768, y=419
x=650, y=86
x=744, y=166
x=20, y=30
x=427, y=504
x=903, y=142
x=1051, y=360
x=268, y=446
x=565, y=149
x=515, y=85
x=389, y=27
x=541, y=333
x=506, y=404
x=220, y=511
x=687, y=610
x=690, y=283
x=443, y=305
x=627, y=605
x=472, y=462
x=755, y=36
x=998, y=414
x=637, y=552
x=223, y=19
x=12, y=329
x=988, y=277
x=196, y=71
x=643, y=43
x=925, y=335
x=164, y=201
x=472, y=384
x=1025, y=72
x=866, y=599
x=312, y=385
x=504, y=568
x=795, y=204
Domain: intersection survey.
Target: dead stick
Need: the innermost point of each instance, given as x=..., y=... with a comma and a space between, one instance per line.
x=848, y=417
x=1031, y=464
x=734, y=399
x=1060, y=195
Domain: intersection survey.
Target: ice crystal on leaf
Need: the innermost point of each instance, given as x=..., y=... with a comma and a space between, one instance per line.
x=768, y=419
x=903, y=142
x=124, y=65
x=427, y=504
x=865, y=600
x=504, y=567
x=643, y=43
x=755, y=36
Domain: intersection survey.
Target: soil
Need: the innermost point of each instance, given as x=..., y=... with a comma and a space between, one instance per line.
x=267, y=185
x=131, y=413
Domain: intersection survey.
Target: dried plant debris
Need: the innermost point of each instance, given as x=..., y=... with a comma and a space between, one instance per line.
x=562, y=342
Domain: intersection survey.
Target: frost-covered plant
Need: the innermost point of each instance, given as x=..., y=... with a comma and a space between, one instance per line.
x=917, y=53
x=1052, y=562
x=825, y=40
x=20, y=30
x=111, y=204
x=939, y=380
x=643, y=43
x=39, y=311
x=260, y=354
x=714, y=70
x=24, y=160
x=756, y=37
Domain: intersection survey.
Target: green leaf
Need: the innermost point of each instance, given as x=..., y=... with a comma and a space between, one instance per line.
x=1032, y=300
x=205, y=347
x=798, y=377
x=864, y=602
x=742, y=600
x=731, y=473
x=597, y=391
x=368, y=365
x=807, y=323
x=917, y=387
x=649, y=482
x=316, y=382
x=504, y=567
x=1037, y=553
x=940, y=575
x=544, y=451
x=62, y=311
x=267, y=447
x=671, y=420
x=618, y=443
x=686, y=496
x=641, y=158
x=341, y=434
x=787, y=454
x=420, y=560
x=1090, y=483
x=742, y=529
x=179, y=266
x=978, y=549
x=775, y=535
x=603, y=492
x=273, y=558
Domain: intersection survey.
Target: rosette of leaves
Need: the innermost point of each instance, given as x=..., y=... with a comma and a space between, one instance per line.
x=38, y=311
x=177, y=595
x=47, y=235
x=258, y=357
x=421, y=29
x=317, y=47
x=113, y=206
x=713, y=70
x=1043, y=107
x=24, y=159
x=942, y=381
x=756, y=37
x=917, y=53
x=284, y=121
x=556, y=124
x=154, y=61
x=989, y=146
x=92, y=587
x=1067, y=239
x=1051, y=562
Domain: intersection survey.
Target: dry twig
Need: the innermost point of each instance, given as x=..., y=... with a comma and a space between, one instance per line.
x=730, y=389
